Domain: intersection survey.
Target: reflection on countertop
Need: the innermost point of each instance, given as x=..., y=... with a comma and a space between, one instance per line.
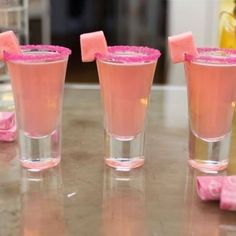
x=123, y=203
x=42, y=210
x=82, y=196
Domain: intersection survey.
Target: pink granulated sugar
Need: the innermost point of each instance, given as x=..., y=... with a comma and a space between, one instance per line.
x=228, y=194
x=92, y=43
x=7, y=120
x=213, y=56
x=8, y=43
x=8, y=135
x=209, y=187
x=129, y=54
x=45, y=53
x=181, y=44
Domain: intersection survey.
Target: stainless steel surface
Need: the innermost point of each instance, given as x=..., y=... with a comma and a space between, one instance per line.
x=84, y=197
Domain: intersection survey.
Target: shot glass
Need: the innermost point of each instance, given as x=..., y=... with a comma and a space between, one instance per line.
x=37, y=77
x=211, y=87
x=125, y=76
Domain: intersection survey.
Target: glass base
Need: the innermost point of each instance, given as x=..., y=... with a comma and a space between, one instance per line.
x=39, y=153
x=209, y=156
x=124, y=154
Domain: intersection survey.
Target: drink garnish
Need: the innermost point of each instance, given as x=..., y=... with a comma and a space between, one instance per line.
x=92, y=43
x=9, y=43
x=180, y=45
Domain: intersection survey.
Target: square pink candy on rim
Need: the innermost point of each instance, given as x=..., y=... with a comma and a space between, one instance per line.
x=181, y=44
x=9, y=43
x=92, y=43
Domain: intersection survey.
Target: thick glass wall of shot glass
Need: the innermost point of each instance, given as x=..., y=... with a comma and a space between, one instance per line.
x=37, y=77
x=125, y=75
x=211, y=85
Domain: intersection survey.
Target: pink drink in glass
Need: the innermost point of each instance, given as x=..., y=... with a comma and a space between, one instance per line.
x=211, y=82
x=125, y=111
x=37, y=98
x=126, y=75
x=37, y=77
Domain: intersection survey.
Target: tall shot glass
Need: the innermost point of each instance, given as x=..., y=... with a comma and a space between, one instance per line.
x=211, y=86
x=37, y=77
x=125, y=75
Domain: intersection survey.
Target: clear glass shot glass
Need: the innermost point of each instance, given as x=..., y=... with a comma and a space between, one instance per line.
x=37, y=77
x=125, y=74
x=211, y=87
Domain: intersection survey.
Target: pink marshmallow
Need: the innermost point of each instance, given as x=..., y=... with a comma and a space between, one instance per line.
x=181, y=44
x=8, y=135
x=209, y=187
x=92, y=43
x=9, y=43
x=228, y=194
x=7, y=120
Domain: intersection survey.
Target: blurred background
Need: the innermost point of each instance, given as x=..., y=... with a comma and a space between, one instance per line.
x=131, y=22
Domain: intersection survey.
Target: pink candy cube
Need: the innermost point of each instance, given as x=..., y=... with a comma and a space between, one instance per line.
x=228, y=194
x=181, y=44
x=92, y=43
x=7, y=120
x=7, y=126
x=9, y=43
x=209, y=187
x=8, y=135
x=221, y=188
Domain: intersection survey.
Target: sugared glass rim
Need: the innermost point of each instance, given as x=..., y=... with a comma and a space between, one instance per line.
x=48, y=53
x=123, y=54
x=209, y=55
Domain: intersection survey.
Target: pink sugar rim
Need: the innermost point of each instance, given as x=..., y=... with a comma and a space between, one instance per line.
x=149, y=54
x=60, y=53
x=231, y=59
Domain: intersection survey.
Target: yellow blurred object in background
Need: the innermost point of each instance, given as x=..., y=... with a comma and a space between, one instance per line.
x=227, y=39
x=227, y=25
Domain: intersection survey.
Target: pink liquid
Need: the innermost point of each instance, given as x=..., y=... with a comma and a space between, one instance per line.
x=38, y=88
x=211, y=93
x=125, y=91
